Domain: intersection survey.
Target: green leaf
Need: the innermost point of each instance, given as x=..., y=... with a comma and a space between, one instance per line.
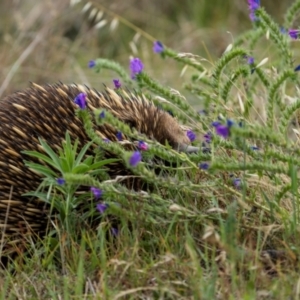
x=69, y=151
x=88, y=161
x=103, y=163
x=82, y=153
x=43, y=157
x=81, y=169
x=40, y=168
x=65, y=165
x=51, y=153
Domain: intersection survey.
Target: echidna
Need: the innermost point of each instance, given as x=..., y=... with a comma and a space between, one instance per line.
x=47, y=112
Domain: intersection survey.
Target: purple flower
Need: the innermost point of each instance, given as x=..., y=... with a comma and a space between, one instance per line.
x=135, y=158
x=208, y=137
x=106, y=140
x=215, y=123
x=102, y=114
x=254, y=148
x=253, y=6
x=250, y=60
x=229, y=123
x=119, y=136
x=237, y=183
x=158, y=47
x=117, y=83
x=143, y=146
x=80, y=100
x=297, y=68
x=96, y=192
x=204, y=166
x=191, y=135
x=114, y=231
x=102, y=207
x=221, y=130
x=136, y=67
x=91, y=64
x=60, y=181
x=294, y=33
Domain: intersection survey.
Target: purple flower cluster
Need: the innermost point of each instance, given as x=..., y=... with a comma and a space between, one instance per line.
x=204, y=166
x=250, y=60
x=158, y=47
x=294, y=33
x=60, y=181
x=237, y=183
x=135, y=158
x=221, y=130
x=253, y=6
x=102, y=114
x=119, y=136
x=102, y=207
x=191, y=135
x=143, y=146
x=96, y=192
x=117, y=83
x=80, y=100
x=91, y=64
x=136, y=67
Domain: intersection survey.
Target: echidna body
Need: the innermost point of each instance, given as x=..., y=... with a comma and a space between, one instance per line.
x=47, y=112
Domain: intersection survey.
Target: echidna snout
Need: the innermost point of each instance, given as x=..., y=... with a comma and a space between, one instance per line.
x=170, y=131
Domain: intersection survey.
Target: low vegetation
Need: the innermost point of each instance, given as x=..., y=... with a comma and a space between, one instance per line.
x=222, y=223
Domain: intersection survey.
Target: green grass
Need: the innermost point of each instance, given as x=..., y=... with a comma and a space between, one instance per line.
x=194, y=235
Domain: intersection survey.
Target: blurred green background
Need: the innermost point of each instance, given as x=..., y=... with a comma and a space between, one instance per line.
x=47, y=41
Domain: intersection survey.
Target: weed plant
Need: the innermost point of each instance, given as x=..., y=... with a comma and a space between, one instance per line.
x=222, y=223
